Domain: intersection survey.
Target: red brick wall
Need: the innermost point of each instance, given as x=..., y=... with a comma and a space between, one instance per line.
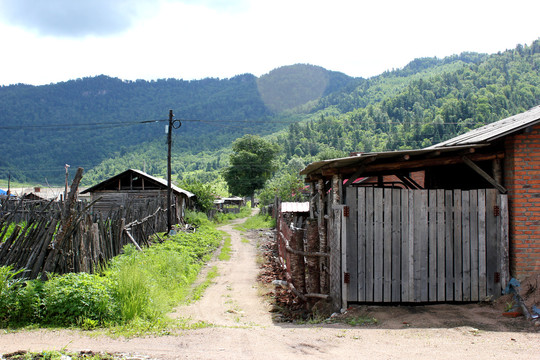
x=522, y=179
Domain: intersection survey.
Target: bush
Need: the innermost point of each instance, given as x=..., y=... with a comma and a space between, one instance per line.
x=71, y=298
x=10, y=290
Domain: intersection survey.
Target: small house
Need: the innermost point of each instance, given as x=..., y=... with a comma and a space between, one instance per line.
x=136, y=188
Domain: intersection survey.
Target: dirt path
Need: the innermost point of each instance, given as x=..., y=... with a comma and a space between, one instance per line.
x=244, y=329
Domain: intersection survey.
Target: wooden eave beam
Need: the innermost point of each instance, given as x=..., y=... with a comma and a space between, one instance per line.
x=416, y=164
x=484, y=174
x=391, y=167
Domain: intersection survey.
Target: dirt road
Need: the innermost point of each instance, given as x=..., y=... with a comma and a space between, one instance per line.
x=244, y=329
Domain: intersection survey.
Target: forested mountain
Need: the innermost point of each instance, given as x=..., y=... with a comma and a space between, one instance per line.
x=312, y=113
x=86, y=121
x=473, y=90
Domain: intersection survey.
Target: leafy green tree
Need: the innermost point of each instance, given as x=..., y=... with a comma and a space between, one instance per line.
x=251, y=164
x=203, y=191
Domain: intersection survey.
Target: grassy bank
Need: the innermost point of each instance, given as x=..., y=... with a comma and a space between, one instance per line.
x=136, y=288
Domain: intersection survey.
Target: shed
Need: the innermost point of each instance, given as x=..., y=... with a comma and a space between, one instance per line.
x=455, y=235
x=136, y=188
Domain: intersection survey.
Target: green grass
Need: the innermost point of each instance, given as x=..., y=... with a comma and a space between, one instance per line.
x=221, y=218
x=257, y=222
x=131, y=296
x=198, y=291
x=225, y=254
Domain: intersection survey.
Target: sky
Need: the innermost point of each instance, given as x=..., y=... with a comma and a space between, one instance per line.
x=43, y=42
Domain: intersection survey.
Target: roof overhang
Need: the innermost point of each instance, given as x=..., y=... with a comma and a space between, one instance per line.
x=396, y=161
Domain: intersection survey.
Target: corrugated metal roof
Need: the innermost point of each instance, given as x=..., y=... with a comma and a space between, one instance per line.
x=295, y=207
x=494, y=130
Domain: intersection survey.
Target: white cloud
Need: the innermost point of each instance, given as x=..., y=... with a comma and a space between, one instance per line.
x=217, y=38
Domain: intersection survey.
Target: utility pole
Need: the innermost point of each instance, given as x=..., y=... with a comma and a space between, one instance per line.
x=173, y=124
x=169, y=181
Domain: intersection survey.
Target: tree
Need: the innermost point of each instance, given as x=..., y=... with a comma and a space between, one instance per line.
x=251, y=164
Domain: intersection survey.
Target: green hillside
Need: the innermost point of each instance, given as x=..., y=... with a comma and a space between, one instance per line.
x=311, y=113
x=86, y=121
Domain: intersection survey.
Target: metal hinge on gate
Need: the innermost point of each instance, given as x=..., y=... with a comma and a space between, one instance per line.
x=346, y=211
x=496, y=211
x=346, y=278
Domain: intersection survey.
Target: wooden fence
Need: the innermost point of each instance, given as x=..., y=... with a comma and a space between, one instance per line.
x=422, y=245
x=300, y=255
x=49, y=243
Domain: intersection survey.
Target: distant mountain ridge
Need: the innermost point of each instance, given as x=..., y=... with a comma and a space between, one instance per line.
x=51, y=125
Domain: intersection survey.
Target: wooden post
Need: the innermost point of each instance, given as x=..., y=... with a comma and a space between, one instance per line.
x=297, y=264
x=321, y=221
x=335, y=245
x=313, y=273
x=169, y=183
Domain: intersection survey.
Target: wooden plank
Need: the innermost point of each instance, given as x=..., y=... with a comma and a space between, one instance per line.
x=361, y=244
x=440, y=247
x=421, y=245
x=474, y=244
x=344, y=284
x=449, y=241
x=378, y=254
x=370, y=238
x=466, y=244
x=482, y=278
x=458, y=264
x=405, y=246
x=352, y=243
x=335, y=258
x=410, y=240
x=504, y=241
x=387, y=245
x=432, y=244
x=491, y=241
x=396, y=245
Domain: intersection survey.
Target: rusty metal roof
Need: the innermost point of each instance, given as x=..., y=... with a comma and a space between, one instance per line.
x=494, y=130
x=295, y=207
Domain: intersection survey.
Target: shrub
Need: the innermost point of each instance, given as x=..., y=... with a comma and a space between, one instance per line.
x=72, y=298
x=10, y=289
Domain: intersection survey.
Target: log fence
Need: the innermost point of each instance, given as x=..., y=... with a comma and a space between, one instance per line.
x=45, y=238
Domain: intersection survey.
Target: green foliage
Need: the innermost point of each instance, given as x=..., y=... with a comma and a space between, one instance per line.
x=221, y=218
x=137, y=288
x=10, y=290
x=204, y=191
x=197, y=218
x=225, y=253
x=72, y=298
x=251, y=164
x=258, y=221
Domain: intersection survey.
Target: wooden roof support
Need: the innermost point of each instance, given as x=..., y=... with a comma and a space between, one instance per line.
x=485, y=175
x=410, y=183
x=355, y=176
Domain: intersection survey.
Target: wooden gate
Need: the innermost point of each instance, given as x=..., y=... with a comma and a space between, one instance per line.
x=423, y=245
